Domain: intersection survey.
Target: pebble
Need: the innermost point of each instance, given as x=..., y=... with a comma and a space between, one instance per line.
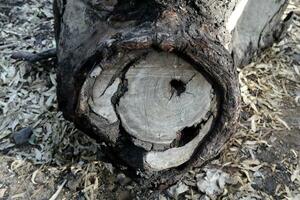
x=123, y=179
x=22, y=136
x=178, y=189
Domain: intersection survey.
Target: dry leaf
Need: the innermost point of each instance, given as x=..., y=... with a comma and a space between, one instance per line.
x=2, y=192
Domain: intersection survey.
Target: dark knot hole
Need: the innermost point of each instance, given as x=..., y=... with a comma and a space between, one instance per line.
x=178, y=85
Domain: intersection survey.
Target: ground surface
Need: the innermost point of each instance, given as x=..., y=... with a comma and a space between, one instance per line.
x=261, y=162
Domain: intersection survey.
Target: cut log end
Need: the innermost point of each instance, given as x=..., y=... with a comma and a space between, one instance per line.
x=162, y=102
x=122, y=77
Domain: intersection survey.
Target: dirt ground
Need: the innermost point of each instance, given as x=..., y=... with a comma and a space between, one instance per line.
x=262, y=160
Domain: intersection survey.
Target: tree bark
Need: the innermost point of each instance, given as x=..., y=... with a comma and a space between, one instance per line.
x=157, y=80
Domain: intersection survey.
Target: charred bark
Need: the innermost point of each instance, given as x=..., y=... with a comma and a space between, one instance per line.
x=108, y=50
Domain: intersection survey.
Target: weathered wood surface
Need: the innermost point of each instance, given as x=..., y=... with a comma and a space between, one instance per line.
x=156, y=80
x=153, y=110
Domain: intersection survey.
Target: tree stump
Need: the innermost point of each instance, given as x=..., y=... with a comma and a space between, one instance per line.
x=157, y=80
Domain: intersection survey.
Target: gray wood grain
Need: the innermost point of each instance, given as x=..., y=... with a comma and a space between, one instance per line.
x=151, y=110
x=160, y=160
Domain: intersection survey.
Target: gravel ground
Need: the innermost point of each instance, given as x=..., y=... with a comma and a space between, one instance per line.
x=59, y=162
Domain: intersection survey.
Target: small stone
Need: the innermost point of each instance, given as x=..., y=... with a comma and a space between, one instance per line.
x=178, y=189
x=22, y=136
x=109, y=167
x=122, y=179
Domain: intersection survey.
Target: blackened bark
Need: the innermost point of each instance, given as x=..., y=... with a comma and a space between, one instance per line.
x=110, y=33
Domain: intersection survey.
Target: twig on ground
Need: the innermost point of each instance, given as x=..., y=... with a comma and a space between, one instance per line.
x=55, y=195
x=34, y=57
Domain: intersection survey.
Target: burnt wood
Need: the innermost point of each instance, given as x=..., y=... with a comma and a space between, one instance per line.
x=113, y=37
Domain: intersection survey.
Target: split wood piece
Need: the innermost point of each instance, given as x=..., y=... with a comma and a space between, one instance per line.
x=255, y=25
x=174, y=157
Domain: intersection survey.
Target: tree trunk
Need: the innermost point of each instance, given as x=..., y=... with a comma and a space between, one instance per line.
x=156, y=80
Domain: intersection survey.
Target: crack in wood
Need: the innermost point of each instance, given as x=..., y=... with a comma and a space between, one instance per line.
x=148, y=76
x=174, y=157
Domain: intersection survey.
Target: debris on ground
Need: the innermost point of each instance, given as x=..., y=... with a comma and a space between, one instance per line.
x=212, y=182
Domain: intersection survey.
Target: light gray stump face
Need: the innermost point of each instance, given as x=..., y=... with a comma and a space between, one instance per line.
x=164, y=96
x=160, y=160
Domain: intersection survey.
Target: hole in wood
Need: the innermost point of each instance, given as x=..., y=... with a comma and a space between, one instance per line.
x=186, y=135
x=178, y=86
